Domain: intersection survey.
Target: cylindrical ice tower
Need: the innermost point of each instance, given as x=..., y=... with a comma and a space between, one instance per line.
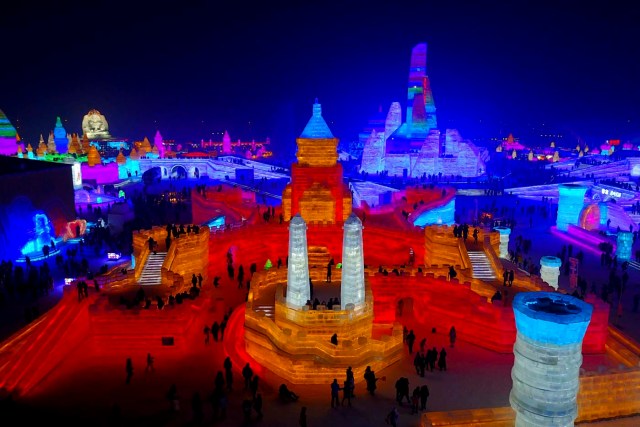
x=624, y=243
x=570, y=204
x=504, y=240
x=298, y=291
x=352, y=284
x=548, y=355
x=550, y=270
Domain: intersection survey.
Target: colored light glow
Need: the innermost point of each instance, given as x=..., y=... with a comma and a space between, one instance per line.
x=548, y=355
x=113, y=255
x=570, y=204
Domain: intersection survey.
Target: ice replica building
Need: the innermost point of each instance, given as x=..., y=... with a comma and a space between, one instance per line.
x=416, y=147
x=317, y=190
x=8, y=136
x=296, y=342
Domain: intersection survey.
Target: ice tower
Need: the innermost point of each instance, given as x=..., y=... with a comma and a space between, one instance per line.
x=317, y=190
x=548, y=355
x=352, y=286
x=60, y=137
x=298, y=268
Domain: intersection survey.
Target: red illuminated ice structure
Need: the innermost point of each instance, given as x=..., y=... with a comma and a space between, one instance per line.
x=101, y=326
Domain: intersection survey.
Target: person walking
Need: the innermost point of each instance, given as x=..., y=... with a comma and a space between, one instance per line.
x=129, y=369
x=206, y=334
x=452, y=335
x=335, y=390
x=302, y=421
x=257, y=405
x=150, y=360
x=411, y=338
x=247, y=373
x=424, y=395
x=442, y=360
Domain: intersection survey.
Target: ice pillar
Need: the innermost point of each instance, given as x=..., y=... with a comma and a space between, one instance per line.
x=570, y=203
x=504, y=241
x=298, y=270
x=550, y=270
x=624, y=243
x=352, y=286
x=548, y=355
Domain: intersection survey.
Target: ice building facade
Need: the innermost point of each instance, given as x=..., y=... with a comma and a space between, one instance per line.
x=416, y=147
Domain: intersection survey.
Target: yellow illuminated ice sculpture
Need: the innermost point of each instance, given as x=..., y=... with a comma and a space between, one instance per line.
x=296, y=343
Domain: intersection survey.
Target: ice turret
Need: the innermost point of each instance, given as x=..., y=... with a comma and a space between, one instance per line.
x=352, y=286
x=298, y=291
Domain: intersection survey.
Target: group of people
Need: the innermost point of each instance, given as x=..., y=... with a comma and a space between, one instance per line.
x=217, y=329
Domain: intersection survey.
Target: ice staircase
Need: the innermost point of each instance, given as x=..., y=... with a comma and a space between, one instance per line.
x=268, y=310
x=481, y=266
x=151, y=271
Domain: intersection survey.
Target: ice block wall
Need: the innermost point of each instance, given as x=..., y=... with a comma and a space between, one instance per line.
x=352, y=286
x=298, y=291
x=570, y=204
x=624, y=243
x=548, y=355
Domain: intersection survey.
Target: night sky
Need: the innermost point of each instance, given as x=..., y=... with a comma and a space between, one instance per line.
x=193, y=68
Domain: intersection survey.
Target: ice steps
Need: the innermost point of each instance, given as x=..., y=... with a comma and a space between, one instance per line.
x=268, y=310
x=481, y=266
x=151, y=271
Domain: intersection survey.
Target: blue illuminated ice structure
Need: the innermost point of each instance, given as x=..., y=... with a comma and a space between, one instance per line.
x=42, y=235
x=548, y=355
x=504, y=240
x=352, y=285
x=441, y=215
x=298, y=291
x=550, y=270
x=570, y=204
x=624, y=243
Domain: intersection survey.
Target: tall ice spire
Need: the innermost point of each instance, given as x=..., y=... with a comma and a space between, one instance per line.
x=298, y=291
x=352, y=286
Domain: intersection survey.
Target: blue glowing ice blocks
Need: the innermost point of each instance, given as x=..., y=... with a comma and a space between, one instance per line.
x=298, y=291
x=624, y=243
x=352, y=285
x=570, y=204
x=548, y=355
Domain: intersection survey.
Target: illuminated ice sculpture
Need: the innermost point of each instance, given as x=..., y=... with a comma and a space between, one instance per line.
x=298, y=291
x=352, y=288
x=624, y=243
x=548, y=355
x=42, y=235
x=504, y=240
x=570, y=204
x=550, y=270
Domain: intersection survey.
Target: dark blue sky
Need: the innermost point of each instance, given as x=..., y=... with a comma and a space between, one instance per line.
x=190, y=68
